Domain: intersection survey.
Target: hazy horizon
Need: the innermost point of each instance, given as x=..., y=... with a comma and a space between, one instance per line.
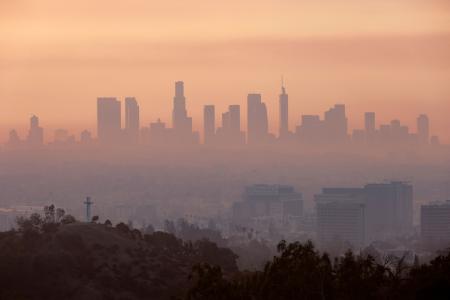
x=56, y=59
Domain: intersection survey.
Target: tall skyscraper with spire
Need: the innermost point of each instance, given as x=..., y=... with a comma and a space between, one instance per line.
x=180, y=121
x=284, y=112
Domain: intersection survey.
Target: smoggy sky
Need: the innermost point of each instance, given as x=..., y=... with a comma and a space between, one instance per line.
x=388, y=56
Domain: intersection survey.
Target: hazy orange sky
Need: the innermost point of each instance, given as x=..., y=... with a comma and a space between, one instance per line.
x=388, y=56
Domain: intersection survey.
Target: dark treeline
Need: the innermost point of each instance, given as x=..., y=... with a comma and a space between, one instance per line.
x=301, y=272
x=55, y=257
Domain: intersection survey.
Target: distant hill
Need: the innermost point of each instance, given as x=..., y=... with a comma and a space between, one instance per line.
x=52, y=260
x=55, y=257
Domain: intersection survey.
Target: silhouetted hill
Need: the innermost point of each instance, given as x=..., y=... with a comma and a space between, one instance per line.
x=55, y=257
x=97, y=261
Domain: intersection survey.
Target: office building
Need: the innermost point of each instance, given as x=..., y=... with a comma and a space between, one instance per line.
x=86, y=137
x=435, y=224
x=369, y=122
x=284, y=113
x=311, y=129
x=132, y=120
x=62, y=136
x=434, y=140
x=181, y=123
x=14, y=139
x=389, y=209
x=230, y=133
x=35, y=133
x=264, y=200
x=108, y=120
x=234, y=119
x=341, y=217
x=257, y=121
x=394, y=133
x=423, y=129
x=335, y=124
x=209, y=123
x=161, y=135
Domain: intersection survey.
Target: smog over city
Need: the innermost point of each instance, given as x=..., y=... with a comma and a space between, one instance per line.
x=225, y=150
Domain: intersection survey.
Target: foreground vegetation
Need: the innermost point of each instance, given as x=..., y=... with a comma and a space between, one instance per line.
x=301, y=272
x=56, y=257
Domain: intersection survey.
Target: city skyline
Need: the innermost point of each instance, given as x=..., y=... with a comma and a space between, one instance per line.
x=116, y=126
x=355, y=120
x=56, y=59
x=260, y=149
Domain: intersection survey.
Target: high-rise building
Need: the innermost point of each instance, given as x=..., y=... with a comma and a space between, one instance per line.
x=230, y=133
x=369, y=132
x=311, y=129
x=434, y=140
x=61, y=135
x=132, y=120
x=14, y=139
x=182, y=124
x=335, y=123
x=264, y=200
x=435, y=224
x=423, y=129
x=235, y=119
x=369, y=122
x=333, y=128
x=209, y=123
x=284, y=113
x=389, y=209
x=86, y=137
x=257, y=121
x=108, y=120
x=341, y=217
x=159, y=134
x=180, y=121
x=36, y=133
x=394, y=133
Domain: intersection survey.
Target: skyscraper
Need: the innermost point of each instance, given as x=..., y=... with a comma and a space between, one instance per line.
x=180, y=120
x=435, y=224
x=369, y=122
x=264, y=200
x=389, y=209
x=230, y=133
x=36, y=133
x=209, y=123
x=341, y=215
x=182, y=124
x=335, y=123
x=235, y=119
x=423, y=129
x=86, y=137
x=257, y=122
x=14, y=139
x=311, y=129
x=131, y=120
x=284, y=113
x=108, y=120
